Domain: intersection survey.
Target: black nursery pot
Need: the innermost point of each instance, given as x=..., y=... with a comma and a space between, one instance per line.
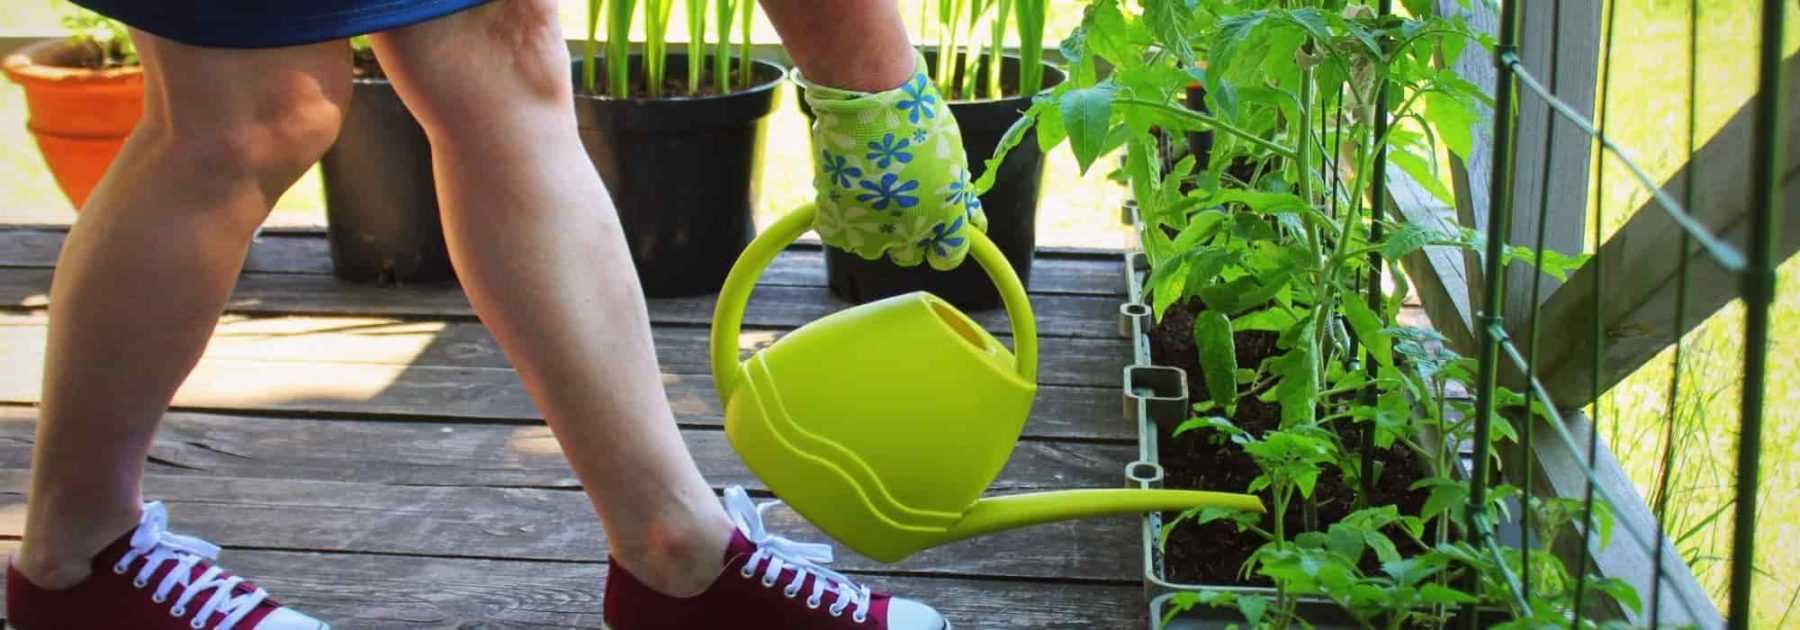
x=1011, y=207
x=682, y=173
x=380, y=201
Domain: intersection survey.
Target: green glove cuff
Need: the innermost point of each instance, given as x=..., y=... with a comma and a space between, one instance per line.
x=890, y=175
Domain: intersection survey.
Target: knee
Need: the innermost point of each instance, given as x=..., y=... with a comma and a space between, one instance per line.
x=516, y=48
x=272, y=138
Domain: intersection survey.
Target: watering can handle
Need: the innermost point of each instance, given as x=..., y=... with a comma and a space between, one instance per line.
x=728, y=317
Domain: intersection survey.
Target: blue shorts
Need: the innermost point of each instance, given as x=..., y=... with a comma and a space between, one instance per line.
x=270, y=23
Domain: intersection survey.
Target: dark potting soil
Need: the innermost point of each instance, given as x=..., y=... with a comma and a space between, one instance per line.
x=1215, y=553
x=672, y=86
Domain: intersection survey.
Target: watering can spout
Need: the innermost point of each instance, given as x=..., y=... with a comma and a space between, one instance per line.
x=995, y=514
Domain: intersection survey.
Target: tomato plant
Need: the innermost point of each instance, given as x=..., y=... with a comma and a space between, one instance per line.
x=1275, y=229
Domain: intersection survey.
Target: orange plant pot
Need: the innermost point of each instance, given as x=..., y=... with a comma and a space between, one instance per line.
x=79, y=116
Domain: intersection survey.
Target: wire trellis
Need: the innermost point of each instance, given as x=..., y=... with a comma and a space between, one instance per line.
x=1754, y=266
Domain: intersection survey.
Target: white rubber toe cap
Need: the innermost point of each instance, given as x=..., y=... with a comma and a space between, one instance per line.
x=290, y=619
x=906, y=614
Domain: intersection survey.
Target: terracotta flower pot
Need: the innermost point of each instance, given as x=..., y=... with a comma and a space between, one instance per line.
x=79, y=116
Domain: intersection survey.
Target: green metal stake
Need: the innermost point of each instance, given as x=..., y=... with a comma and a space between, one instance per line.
x=1499, y=224
x=1759, y=291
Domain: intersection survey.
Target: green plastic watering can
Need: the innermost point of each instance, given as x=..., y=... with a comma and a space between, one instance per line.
x=882, y=424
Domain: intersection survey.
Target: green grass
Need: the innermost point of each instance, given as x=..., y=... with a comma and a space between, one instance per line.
x=1647, y=113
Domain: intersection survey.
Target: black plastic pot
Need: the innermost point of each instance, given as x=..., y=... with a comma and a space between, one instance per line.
x=1011, y=207
x=381, y=207
x=682, y=174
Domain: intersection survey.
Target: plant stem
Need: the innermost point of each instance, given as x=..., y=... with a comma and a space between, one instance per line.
x=1203, y=121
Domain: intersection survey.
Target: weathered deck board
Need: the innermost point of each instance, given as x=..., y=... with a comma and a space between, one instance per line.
x=772, y=306
x=422, y=453
x=381, y=592
x=538, y=524
x=369, y=454
x=800, y=266
x=680, y=349
x=437, y=393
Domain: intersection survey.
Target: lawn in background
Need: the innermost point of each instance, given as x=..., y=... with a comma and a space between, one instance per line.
x=1647, y=113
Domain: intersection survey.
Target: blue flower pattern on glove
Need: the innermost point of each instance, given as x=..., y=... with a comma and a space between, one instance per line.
x=888, y=151
x=885, y=193
x=919, y=101
x=891, y=178
x=839, y=168
x=944, y=237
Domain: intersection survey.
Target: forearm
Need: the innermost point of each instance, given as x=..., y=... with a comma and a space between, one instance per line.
x=848, y=44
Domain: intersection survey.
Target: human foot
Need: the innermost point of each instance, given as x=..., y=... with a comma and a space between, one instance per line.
x=768, y=582
x=150, y=579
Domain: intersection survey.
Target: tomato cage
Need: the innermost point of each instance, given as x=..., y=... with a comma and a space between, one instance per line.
x=1698, y=245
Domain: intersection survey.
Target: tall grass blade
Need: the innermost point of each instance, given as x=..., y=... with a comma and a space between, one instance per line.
x=997, y=47
x=723, y=14
x=590, y=53
x=747, y=19
x=656, y=44
x=1030, y=16
x=696, y=33
x=618, y=47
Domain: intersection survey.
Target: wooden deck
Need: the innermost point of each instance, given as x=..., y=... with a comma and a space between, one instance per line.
x=368, y=454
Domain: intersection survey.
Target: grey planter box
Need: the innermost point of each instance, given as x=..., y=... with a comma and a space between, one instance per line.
x=1155, y=397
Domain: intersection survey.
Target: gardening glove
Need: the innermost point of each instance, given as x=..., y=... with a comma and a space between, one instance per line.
x=891, y=177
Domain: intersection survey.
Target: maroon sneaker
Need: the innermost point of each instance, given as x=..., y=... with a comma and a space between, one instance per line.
x=768, y=582
x=150, y=579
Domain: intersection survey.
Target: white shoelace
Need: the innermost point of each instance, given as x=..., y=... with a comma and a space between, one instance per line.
x=153, y=542
x=804, y=558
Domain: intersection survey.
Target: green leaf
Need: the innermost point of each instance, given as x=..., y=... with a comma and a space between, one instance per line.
x=1422, y=173
x=1453, y=120
x=1446, y=494
x=1298, y=391
x=1011, y=139
x=1270, y=319
x=1167, y=19
x=1384, y=548
x=1253, y=607
x=1215, y=423
x=1087, y=117
x=1618, y=589
x=1261, y=202
x=1434, y=593
x=1345, y=541
x=1245, y=293
x=1369, y=327
x=1218, y=358
x=1406, y=239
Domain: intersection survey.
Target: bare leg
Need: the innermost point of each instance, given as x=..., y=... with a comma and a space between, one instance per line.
x=540, y=253
x=147, y=268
